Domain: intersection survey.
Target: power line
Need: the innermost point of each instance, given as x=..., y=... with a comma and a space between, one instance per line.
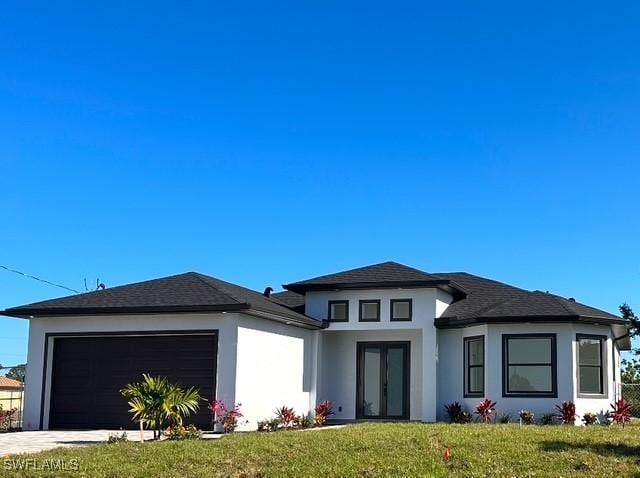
x=38, y=279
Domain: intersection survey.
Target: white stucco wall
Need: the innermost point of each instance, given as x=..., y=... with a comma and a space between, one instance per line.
x=276, y=366
x=423, y=303
x=339, y=350
x=225, y=324
x=338, y=375
x=599, y=405
x=451, y=371
x=262, y=364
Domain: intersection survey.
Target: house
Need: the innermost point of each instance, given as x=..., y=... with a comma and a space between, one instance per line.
x=385, y=341
x=11, y=397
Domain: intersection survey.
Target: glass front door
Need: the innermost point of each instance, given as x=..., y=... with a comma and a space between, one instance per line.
x=383, y=380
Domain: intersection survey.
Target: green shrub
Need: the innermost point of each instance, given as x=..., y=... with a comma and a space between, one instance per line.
x=180, y=432
x=547, y=419
x=465, y=417
x=305, y=421
x=504, y=418
x=270, y=425
x=457, y=414
x=155, y=402
x=526, y=417
x=589, y=418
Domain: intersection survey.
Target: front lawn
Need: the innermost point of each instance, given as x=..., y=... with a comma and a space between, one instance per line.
x=408, y=449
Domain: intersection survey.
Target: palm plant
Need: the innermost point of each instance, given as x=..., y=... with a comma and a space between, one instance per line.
x=155, y=401
x=181, y=403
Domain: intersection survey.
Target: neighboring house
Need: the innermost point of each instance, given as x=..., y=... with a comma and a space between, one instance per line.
x=382, y=342
x=12, y=396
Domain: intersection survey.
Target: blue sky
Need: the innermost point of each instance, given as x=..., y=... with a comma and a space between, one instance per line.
x=272, y=141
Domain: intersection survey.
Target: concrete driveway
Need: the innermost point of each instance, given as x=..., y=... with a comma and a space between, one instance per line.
x=31, y=442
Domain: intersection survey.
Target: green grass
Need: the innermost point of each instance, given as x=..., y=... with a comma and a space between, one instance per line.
x=409, y=449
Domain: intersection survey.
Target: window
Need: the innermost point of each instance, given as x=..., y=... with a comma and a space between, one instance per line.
x=529, y=367
x=591, y=364
x=339, y=311
x=401, y=309
x=369, y=311
x=474, y=366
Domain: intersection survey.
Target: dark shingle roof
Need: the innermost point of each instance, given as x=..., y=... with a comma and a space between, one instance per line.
x=293, y=300
x=485, y=300
x=491, y=300
x=189, y=292
x=386, y=274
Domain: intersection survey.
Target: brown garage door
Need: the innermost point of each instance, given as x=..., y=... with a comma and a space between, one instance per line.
x=89, y=372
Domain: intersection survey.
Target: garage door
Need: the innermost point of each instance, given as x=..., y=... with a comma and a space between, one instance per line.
x=89, y=372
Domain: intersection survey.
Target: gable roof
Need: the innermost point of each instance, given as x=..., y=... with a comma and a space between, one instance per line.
x=9, y=383
x=384, y=275
x=189, y=292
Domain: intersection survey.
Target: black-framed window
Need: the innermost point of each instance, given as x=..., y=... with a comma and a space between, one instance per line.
x=401, y=310
x=474, y=366
x=529, y=366
x=369, y=311
x=338, y=311
x=591, y=364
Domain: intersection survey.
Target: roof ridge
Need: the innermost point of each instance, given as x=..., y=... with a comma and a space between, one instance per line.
x=225, y=290
x=367, y=268
x=493, y=281
x=106, y=290
x=563, y=302
x=489, y=307
x=406, y=267
x=205, y=280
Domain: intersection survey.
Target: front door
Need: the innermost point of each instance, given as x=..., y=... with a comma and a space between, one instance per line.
x=383, y=380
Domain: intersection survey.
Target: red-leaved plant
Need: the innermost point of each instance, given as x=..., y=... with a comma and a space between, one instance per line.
x=229, y=418
x=323, y=411
x=454, y=410
x=6, y=416
x=567, y=413
x=287, y=416
x=485, y=409
x=620, y=412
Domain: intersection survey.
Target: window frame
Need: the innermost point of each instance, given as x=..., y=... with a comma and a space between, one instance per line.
x=467, y=393
x=334, y=302
x=553, y=393
x=604, y=366
x=392, y=302
x=368, y=301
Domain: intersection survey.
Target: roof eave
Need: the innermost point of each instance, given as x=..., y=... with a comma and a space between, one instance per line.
x=29, y=313
x=444, y=284
x=299, y=320
x=454, y=322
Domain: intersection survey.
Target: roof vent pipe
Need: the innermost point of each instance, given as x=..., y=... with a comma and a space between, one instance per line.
x=267, y=292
